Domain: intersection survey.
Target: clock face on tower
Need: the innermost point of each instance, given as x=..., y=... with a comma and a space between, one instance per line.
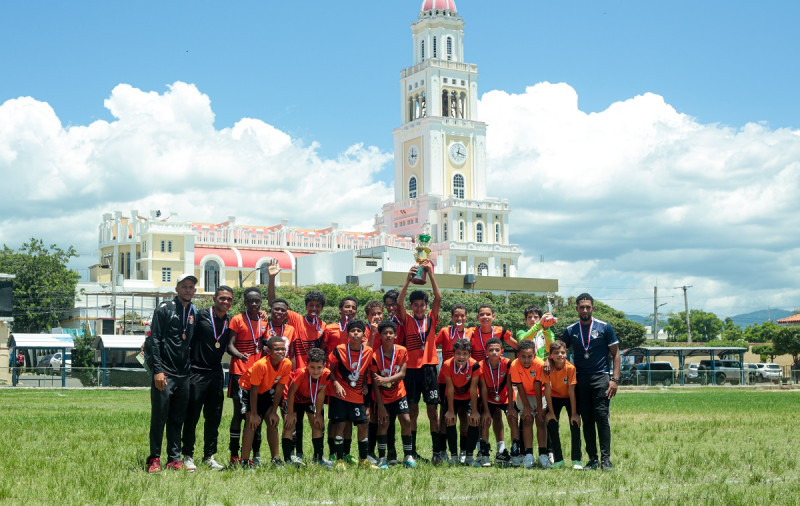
x=413, y=155
x=458, y=153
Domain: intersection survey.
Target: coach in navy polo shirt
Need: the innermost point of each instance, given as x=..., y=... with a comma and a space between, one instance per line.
x=592, y=342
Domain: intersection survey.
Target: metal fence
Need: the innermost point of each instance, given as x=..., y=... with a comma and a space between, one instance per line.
x=78, y=377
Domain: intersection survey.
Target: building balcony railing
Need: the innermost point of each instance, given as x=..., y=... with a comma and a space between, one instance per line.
x=442, y=64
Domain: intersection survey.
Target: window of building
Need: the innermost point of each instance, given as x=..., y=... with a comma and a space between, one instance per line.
x=497, y=233
x=163, y=246
x=412, y=187
x=505, y=270
x=479, y=232
x=434, y=47
x=449, y=48
x=444, y=231
x=460, y=230
x=169, y=246
x=422, y=49
x=166, y=275
x=483, y=269
x=211, y=276
x=263, y=273
x=372, y=263
x=458, y=186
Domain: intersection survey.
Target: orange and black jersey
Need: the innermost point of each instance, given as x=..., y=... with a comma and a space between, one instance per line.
x=496, y=380
x=460, y=376
x=308, y=335
x=344, y=362
x=479, y=338
x=420, y=340
x=382, y=365
x=447, y=336
x=305, y=384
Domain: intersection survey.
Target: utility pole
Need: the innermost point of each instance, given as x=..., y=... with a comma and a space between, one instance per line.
x=686, y=303
x=656, y=305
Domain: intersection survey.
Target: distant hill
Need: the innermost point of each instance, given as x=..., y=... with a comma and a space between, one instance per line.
x=742, y=320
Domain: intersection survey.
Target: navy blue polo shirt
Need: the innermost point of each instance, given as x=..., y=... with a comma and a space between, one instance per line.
x=596, y=339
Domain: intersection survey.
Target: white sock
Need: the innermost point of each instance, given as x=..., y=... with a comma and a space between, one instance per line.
x=501, y=446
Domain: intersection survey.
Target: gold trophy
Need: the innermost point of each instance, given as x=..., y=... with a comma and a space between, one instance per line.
x=422, y=254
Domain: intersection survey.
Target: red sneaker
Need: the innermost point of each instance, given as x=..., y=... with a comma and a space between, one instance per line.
x=235, y=460
x=176, y=465
x=154, y=465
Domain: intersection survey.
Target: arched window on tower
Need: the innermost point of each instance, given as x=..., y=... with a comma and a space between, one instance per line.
x=458, y=186
x=460, y=230
x=422, y=49
x=434, y=48
x=211, y=276
x=483, y=269
x=445, y=102
x=449, y=48
x=412, y=187
x=505, y=270
x=444, y=231
x=497, y=233
x=479, y=232
x=423, y=106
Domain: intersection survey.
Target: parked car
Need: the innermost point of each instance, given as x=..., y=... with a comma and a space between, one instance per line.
x=655, y=372
x=690, y=374
x=751, y=373
x=720, y=370
x=43, y=366
x=55, y=362
x=770, y=372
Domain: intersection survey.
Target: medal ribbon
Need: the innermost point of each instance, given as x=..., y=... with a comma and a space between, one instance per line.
x=315, y=321
x=586, y=342
x=342, y=328
x=454, y=333
x=252, y=332
x=422, y=330
x=460, y=370
x=272, y=329
x=214, y=325
x=495, y=384
x=480, y=336
x=350, y=360
x=383, y=360
x=186, y=317
x=313, y=393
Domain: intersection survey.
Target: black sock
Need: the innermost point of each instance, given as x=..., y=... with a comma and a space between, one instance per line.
x=288, y=447
x=462, y=442
x=391, y=435
x=339, y=447
x=297, y=437
x=362, y=448
x=332, y=445
x=318, y=447
x=452, y=439
x=435, y=441
x=472, y=439
x=413, y=442
x=515, y=446
x=408, y=444
x=347, y=444
x=486, y=448
x=542, y=450
x=381, y=445
x=372, y=434
x=443, y=443
x=528, y=451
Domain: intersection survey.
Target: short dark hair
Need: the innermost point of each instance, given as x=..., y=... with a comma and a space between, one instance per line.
x=223, y=288
x=315, y=296
x=533, y=309
x=316, y=355
x=251, y=289
x=391, y=295
x=527, y=344
x=558, y=344
x=492, y=341
x=418, y=295
x=458, y=306
x=279, y=301
x=486, y=305
x=369, y=306
x=272, y=341
x=357, y=324
x=584, y=296
x=385, y=325
x=462, y=344
x=345, y=299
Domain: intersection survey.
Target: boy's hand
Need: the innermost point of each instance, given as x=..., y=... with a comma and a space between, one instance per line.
x=450, y=418
x=486, y=420
x=512, y=409
x=383, y=416
x=527, y=415
x=339, y=390
x=550, y=416
x=253, y=420
x=273, y=269
x=412, y=272
x=160, y=381
x=427, y=266
x=540, y=416
x=289, y=421
x=548, y=320
x=547, y=367
x=575, y=419
x=379, y=380
x=273, y=419
x=474, y=418
x=317, y=422
x=262, y=315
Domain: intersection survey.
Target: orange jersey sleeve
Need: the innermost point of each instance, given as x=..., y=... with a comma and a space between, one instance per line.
x=460, y=376
x=561, y=379
x=248, y=333
x=308, y=335
x=383, y=365
x=344, y=364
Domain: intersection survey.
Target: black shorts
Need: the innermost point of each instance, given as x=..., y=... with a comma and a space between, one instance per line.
x=233, y=386
x=494, y=407
x=443, y=395
x=422, y=382
x=398, y=407
x=459, y=404
x=265, y=401
x=343, y=411
x=299, y=407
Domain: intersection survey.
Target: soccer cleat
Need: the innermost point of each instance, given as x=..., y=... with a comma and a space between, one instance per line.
x=296, y=461
x=213, y=464
x=576, y=464
x=301, y=456
x=235, y=461
x=486, y=461
x=502, y=459
x=592, y=465
x=527, y=462
x=247, y=464
x=420, y=459
x=560, y=463
x=325, y=463
x=453, y=460
x=478, y=462
x=516, y=460
x=188, y=462
x=372, y=459
x=544, y=461
x=176, y=465
x=468, y=461
x=154, y=465
x=276, y=462
x=436, y=460
x=409, y=461
x=349, y=459
x=365, y=464
x=462, y=458
x=257, y=461
x=383, y=464
x=606, y=465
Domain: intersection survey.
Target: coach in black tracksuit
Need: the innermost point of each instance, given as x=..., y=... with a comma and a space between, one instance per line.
x=167, y=349
x=211, y=338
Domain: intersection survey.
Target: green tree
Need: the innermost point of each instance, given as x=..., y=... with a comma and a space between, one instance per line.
x=765, y=351
x=764, y=332
x=731, y=331
x=705, y=326
x=787, y=341
x=83, y=358
x=44, y=288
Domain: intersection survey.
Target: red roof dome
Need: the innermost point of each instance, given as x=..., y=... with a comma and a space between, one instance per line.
x=442, y=5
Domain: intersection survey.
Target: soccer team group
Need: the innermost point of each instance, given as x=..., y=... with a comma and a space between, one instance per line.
x=371, y=373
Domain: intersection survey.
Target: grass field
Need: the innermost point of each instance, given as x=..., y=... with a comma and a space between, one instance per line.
x=698, y=445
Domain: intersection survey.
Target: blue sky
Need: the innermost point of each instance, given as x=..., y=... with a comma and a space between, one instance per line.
x=324, y=75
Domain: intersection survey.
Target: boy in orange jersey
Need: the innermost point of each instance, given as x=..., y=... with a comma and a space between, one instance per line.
x=528, y=377
x=486, y=331
x=349, y=368
x=261, y=395
x=420, y=342
x=306, y=395
x=461, y=375
x=444, y=340
x=373, y=310
x=277, y=325
x=562, y=394
x=245, y=349
x=390, y=305
x=388, y=370
x=495, y=385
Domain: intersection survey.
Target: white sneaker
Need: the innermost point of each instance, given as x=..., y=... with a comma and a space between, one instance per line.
x=297, y=461
x=372, y=459
x=188, y=463
x=544, y=461
x=462, y=458
x=213, y=464
x=527, y=462
x=552, y=459
x=576, y=464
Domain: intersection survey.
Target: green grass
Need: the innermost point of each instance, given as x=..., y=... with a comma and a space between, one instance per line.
x=722, y=446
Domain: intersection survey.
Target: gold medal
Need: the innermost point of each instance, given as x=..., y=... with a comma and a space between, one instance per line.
x=216, y=345
x=183, y=336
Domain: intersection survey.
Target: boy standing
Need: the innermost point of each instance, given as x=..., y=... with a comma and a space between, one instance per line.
x=528, y=377
x=495, y=385
x=562, y=395
x=486, y=331
x=461, y=375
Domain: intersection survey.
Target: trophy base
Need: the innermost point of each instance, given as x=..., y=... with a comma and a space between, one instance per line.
x=420, y=279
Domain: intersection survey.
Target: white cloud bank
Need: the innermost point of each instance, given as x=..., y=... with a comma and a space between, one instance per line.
x=615, y=201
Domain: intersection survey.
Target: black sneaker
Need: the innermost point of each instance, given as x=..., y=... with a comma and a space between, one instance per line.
x=420, y=459
x=606, y=465
x=592, y=464
x=436, y=460
x=276, y=462
x=502, y=459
